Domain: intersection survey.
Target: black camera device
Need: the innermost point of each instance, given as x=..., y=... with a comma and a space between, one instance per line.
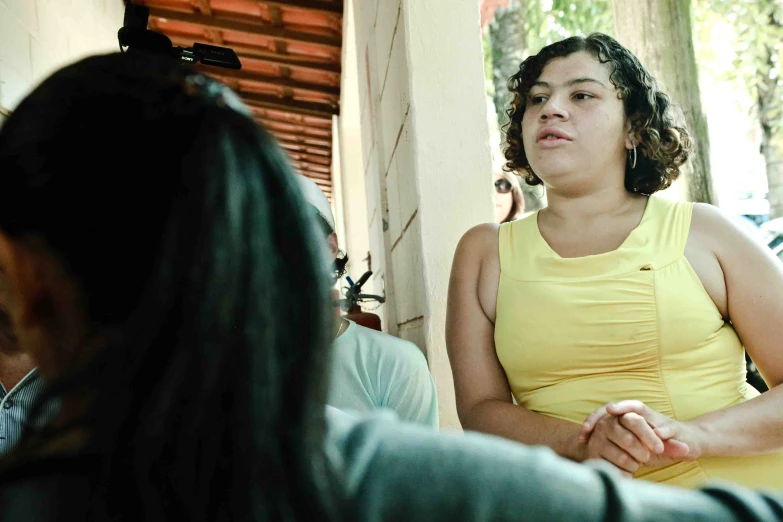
x=135, y=36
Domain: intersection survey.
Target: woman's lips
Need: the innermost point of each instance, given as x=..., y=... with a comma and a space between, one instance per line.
x=551, y=142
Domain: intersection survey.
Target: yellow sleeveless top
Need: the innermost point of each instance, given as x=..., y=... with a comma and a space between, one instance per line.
x=636, y=323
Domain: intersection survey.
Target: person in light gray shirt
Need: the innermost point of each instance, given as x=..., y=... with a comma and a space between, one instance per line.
x=399, y=471
x=370, y=370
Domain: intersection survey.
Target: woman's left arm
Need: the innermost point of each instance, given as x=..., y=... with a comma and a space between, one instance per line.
x=754, y=290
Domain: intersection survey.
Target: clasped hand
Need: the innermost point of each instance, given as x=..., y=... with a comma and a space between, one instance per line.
x=629, y=435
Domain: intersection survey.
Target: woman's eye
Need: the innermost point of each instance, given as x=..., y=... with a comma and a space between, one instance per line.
x=537, y=100
x=583, y=96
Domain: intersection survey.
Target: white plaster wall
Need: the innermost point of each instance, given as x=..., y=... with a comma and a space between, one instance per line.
x=375, y=25
x=395, y=157
x=354, y=240
x=449, y=152
x=38, y=37
x=338, y=203
x=426, y=158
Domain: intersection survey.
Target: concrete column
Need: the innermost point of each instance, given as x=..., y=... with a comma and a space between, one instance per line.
x=451, y=155
x=37, y=37
x=427, y=158
x=337, y=202
x=347, y=152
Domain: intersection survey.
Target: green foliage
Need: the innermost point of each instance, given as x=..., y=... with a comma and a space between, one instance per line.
x=551, y=20
x=486, y=44
x=756, y=27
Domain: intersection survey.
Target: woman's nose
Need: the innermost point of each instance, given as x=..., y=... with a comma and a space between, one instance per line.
x=554, y=108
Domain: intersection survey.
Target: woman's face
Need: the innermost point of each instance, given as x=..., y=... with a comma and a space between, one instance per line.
x=502, y=197
x=574, y=126
x=43, y=311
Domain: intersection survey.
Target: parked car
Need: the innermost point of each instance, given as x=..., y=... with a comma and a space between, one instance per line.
x=750, y=227
x=773, y=231
x=770, y=233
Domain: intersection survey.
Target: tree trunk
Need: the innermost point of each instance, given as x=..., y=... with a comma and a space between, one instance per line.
x=773, y=157
x=509, y=48
x=658, y=32
x=771, y=148
x=768, y=97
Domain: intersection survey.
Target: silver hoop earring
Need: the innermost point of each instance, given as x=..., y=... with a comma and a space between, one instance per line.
x=632, y=154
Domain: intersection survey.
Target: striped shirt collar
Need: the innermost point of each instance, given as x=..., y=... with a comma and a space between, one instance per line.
x=16, y=406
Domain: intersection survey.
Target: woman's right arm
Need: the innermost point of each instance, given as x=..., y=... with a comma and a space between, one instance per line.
x=483, y=394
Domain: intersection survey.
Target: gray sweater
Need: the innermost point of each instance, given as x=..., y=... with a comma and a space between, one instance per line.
x=398, y=471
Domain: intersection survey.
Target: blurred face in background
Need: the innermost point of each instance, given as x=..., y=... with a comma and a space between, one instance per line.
x=502, y=197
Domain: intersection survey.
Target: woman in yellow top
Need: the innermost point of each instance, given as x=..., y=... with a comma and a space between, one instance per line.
x=610, y=296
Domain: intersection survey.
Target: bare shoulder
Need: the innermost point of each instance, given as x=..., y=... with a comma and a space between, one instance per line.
x=708, y=218
x=394, y=350
x=478, y=242
x=731, y=243
x=719, y=232
x=476, y=271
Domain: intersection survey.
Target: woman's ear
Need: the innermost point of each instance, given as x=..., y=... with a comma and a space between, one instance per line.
x=45, y=307
x=334, y=248
x=631, y=137
x=22, y=281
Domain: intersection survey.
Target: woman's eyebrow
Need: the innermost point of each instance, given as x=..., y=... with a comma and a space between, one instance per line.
x=577, y=81
x=569, y=83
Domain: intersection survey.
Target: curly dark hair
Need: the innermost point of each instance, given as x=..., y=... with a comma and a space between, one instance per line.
x=663, y=141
